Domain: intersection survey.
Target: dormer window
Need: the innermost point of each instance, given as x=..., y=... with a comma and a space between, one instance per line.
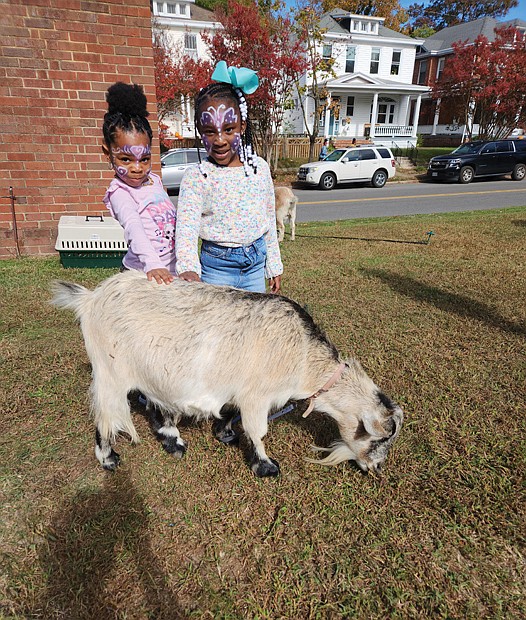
x=365, y=26
x=173, y=9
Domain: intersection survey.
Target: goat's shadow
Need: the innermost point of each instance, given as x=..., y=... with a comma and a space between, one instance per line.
x=79, y=559
x=448, y=302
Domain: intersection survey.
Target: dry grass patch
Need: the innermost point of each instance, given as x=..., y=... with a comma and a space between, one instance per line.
x=441, y=327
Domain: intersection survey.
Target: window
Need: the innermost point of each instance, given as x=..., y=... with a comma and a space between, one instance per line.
x=386, y=110
x=182, y=9
x=190, y=41
x=385, y=154
x=192, y=157
x=351, y=57
x=440, y=67
x=504, y=146
x=395, y=62
x=365, y=26
x=171, y=8
x=175, y=159
x=422, y=72
x=489, y=148
x=350, y=107
x=367, y=154
x=190, y=45
x=375, y=59
x=327, y=52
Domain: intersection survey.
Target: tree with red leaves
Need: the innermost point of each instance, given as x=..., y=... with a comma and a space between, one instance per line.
x=177, y=77
x=260, y=40
x=485, y=82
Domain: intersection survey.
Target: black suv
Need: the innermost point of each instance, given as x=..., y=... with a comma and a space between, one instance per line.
x=480, y=159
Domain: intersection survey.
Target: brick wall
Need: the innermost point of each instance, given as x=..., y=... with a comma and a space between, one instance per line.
x=57, y=58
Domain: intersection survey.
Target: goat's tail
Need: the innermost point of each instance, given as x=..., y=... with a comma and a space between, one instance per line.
x=69, y=295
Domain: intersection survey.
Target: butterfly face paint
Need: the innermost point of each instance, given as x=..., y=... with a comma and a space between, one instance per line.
x=131, y=157
x=221, y=128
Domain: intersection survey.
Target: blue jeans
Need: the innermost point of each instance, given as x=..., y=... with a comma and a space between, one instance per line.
x=242, y=267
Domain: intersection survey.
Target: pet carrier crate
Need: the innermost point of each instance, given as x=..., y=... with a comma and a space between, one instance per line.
x=90, y=241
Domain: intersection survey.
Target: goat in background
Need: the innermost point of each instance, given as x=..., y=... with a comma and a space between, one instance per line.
x=286, y=202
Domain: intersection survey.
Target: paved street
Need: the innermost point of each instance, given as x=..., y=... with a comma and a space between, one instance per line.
x=355, y=201
x=408, y=198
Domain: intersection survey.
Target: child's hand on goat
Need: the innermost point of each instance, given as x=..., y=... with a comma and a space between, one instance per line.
x=190, y=276
x=161, y=276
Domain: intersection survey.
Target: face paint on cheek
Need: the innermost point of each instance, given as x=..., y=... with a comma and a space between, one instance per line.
x=236, y=143
x=206, y=143
x=121, y=171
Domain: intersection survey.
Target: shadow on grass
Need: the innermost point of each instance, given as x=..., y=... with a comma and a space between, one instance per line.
x=449, y=302
x=424, y=242
x=88, y=534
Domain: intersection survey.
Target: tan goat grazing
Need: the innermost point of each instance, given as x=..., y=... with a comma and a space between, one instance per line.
x=199, y=350
x=286, y=202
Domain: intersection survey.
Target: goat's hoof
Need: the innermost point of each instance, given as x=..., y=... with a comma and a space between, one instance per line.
x=174, y=446
x=264, y=469
x=112, y=461
x=228, y=436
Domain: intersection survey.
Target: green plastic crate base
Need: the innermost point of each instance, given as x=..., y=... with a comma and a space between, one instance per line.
x=90, y=241
x=94, y=260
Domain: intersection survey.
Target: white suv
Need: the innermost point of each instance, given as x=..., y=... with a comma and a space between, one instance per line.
x=360, y=163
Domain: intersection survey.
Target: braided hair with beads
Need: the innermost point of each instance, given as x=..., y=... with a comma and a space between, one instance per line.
x=221, y=90
x=126, y=111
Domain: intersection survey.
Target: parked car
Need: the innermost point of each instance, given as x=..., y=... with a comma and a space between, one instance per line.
x=362, y=163
x=481, y=158
x=174, y=163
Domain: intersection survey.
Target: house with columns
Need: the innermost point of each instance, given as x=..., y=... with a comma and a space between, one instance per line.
x=371, y=95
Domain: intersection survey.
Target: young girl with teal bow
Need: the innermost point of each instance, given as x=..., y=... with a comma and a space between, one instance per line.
x=228, y=200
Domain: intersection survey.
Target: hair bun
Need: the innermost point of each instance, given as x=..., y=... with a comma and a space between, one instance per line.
x=128, y=99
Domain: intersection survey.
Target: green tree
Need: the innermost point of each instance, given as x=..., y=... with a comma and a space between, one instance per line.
x=439, y=14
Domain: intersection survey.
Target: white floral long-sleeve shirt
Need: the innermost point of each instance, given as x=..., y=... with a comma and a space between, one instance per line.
x=228, y=208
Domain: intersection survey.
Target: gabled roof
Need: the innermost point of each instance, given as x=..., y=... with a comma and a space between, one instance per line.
x=202, y=15
x=468, y=31
x=369, y=83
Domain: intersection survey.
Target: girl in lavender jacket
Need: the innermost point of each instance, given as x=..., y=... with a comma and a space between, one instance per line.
x=136, y=197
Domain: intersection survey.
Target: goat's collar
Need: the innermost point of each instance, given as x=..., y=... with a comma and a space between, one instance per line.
x=333, y=379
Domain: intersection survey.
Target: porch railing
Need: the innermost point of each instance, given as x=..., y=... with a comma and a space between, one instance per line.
x=393, y=130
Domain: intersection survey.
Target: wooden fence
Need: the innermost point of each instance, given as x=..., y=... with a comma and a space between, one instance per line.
x=285, y=147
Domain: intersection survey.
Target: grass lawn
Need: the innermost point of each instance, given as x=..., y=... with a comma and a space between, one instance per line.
x=440, y=327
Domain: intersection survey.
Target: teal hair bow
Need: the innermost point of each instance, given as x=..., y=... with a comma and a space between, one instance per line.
x=242, y=78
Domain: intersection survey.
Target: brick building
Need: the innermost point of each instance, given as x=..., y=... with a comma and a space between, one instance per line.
x=431, y=58
x=57, y=58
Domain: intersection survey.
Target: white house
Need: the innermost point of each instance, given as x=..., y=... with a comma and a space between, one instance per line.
x=373, y=83
x=183, y=23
